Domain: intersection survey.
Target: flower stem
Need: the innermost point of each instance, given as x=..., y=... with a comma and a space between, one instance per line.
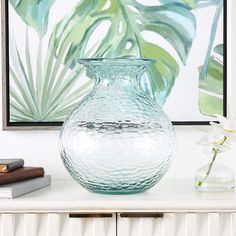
x=215, y=151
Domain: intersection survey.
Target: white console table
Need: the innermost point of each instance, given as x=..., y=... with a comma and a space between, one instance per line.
x=171, y=208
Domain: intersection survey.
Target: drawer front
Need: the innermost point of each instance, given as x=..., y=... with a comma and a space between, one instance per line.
x=177, y=224
x=145, y=224
x=57, y=225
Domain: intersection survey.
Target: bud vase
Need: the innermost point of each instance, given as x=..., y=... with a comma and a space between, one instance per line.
x=214, y=177
x=117, y=140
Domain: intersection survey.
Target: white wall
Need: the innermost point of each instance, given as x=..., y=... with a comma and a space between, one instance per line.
x=40, y=148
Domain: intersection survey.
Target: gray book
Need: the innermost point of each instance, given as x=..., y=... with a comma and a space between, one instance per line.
x=19, y=188
x=7, y=165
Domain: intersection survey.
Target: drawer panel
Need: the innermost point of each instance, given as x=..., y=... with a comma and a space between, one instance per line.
x=56, y=225
x=178, y=224
x=167, y=224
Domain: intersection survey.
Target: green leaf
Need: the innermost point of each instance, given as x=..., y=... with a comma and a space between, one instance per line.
x=211, y=88
x=19, y=77
x=192, y=3
x=164, y=72
x=49, y=93
x=213, y=31
x=219, y=49
x=128, y=20
x=34, y=13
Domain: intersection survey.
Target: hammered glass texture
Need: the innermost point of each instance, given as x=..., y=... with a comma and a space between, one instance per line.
x=117, y=140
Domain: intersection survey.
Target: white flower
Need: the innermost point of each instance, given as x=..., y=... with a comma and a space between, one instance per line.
x=226, y=127
x=214, y=142
x=218, y=140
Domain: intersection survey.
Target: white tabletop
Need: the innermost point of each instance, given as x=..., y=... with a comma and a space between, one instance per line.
x=166, y=196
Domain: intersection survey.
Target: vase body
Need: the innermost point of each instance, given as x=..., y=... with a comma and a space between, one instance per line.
x=117, y=140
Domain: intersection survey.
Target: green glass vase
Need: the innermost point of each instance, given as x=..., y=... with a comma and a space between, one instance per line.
x=117, y=140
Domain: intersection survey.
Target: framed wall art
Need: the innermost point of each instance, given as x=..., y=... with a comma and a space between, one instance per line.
x=43, y=40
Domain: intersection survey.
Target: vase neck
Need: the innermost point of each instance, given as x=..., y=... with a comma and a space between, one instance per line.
x=113, y=73
x=116, y=72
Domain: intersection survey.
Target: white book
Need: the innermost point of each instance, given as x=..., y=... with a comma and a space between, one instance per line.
x=16, y=189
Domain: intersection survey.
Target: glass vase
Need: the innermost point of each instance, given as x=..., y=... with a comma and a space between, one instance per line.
x=117, y=140
x=214, y=177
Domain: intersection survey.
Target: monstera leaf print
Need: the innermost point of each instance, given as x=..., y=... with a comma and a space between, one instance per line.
x=211, y=87
x=128, y=20
x=34, y=13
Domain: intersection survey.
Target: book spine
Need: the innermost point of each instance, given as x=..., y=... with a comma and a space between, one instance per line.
x=15, y=165
x=30, y=186
x=3, y=168
x=20, y=174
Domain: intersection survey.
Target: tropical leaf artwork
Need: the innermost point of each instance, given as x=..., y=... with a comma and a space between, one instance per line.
x=211, y=86
x=45, y=85
x=124, y=37
x=42, y=92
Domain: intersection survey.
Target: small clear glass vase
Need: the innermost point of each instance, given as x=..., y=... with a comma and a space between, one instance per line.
x=214, y=177
x=117, y=140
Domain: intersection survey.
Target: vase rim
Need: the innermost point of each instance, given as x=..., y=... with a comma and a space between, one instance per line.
x=117, y=61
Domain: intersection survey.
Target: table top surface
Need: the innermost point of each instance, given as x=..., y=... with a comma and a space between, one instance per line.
x=167, y=196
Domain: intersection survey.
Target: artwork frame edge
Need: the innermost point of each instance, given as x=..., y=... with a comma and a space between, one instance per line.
x=14, y=126
x=4, y=64
x=6, y=125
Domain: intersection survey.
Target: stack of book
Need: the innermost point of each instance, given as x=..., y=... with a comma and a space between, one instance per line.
x=16, y=180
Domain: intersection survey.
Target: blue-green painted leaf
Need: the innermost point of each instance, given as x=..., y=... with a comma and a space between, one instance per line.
x=214, y=27
x=192, y=3
x=219, y=49
x=34, y=13
x=174, y=23
x=211, y=88
x=162, y=75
